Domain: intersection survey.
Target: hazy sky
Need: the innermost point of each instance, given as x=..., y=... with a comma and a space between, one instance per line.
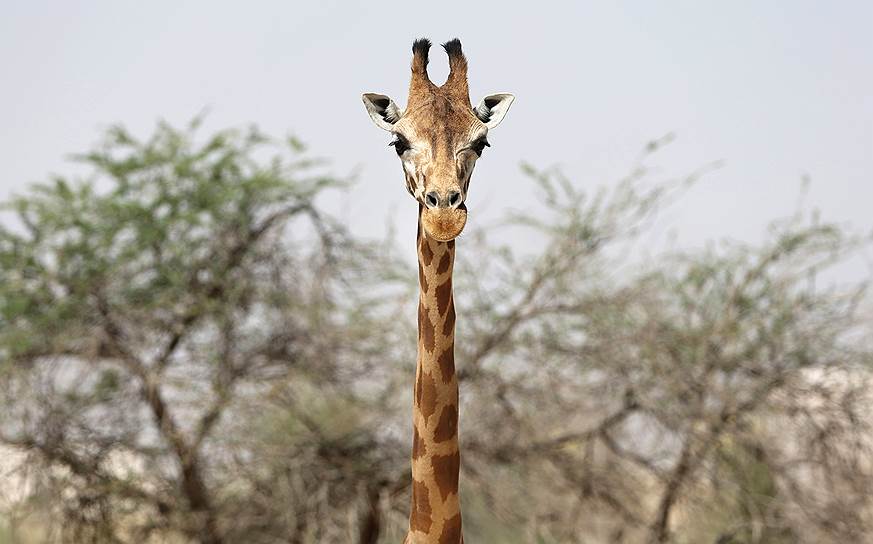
x=776, y=89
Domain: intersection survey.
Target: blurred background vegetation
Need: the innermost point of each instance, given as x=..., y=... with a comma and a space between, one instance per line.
x=193, y=350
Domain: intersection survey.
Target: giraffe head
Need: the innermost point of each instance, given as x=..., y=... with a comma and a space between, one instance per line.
x=439, y=137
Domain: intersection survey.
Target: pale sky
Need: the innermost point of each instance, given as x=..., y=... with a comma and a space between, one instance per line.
x=777, y=89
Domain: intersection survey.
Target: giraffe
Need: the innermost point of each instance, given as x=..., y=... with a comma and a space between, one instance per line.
x=438, y=137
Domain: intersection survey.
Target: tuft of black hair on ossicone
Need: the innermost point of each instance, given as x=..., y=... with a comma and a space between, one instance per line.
x=453, y=47
x=420, y=47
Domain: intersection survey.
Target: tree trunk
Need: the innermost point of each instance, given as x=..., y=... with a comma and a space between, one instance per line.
x=371, y=520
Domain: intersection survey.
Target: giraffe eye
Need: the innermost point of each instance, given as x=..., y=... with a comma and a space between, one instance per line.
x=479, y=146
x=400, y=145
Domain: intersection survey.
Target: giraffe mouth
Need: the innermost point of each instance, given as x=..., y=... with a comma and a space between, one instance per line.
x=444, y=224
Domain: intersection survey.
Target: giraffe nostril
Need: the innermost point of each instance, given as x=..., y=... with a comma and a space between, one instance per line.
x=454, y=198
x=431, y=199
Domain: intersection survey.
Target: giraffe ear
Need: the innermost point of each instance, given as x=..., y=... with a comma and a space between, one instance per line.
x=492, y=109
x=383, y=111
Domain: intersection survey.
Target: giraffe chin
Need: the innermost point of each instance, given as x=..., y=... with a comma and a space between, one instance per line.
x=444, y=224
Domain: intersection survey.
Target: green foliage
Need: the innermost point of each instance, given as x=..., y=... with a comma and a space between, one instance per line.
x=162, y=221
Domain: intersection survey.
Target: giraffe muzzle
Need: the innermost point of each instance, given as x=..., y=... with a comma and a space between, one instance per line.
x=444, y=224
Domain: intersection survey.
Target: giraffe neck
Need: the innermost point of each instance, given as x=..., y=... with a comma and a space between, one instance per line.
x=436, y=514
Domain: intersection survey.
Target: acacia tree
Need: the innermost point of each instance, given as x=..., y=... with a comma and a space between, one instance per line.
x=716, y=396
x=139, y=309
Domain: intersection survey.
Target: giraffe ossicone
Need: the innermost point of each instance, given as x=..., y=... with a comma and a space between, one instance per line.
x=438, y=137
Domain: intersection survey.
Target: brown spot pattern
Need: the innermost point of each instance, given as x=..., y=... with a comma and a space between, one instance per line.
x=443, y=294
x=452, y=531
x=422, y=281
x=447, y=426
x=427, y=404
x=446, y=361
x=444, y=263
x=419, y=519
x=426, y=252
x=449, y=324
x=418, y=447
x=445, y=469
x=426, y=330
